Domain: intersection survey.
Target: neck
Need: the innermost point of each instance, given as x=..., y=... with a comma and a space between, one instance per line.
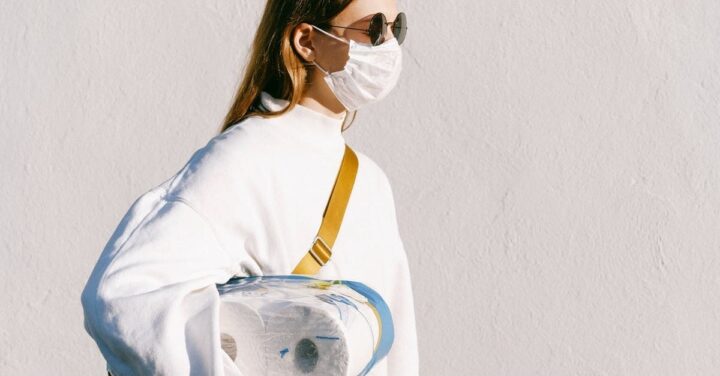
x=314, y=122
x=318, y=97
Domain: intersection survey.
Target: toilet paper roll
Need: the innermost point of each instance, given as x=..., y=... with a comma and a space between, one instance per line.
x=242, y=331
x=313, y=340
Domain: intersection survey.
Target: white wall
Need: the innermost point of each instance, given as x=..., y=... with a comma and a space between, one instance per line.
x=555, y=165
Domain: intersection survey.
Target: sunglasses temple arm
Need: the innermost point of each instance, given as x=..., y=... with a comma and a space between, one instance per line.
x=346, y=27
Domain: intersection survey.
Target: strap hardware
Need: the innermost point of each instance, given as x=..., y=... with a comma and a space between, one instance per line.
x=320, y=251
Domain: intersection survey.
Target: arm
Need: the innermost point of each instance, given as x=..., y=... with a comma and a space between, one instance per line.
x=151, y=303
x=403, y=359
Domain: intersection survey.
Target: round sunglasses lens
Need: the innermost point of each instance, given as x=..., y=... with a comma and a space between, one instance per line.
x=377, y=28
x=399, y=27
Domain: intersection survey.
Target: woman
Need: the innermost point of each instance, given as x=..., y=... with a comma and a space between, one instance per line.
x=251, y=200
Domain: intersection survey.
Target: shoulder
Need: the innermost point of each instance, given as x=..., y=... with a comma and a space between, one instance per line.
x=371, y=169
x=375, y=178
x=229, y=160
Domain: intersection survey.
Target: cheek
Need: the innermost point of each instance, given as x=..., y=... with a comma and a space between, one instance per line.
x=333, y=57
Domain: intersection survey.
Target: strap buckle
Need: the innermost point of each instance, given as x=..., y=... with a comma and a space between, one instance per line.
x=320, y=251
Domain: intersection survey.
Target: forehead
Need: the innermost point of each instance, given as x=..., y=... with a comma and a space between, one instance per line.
x=363, y=10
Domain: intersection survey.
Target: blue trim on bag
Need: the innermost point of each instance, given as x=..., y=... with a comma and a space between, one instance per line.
x=386, y=322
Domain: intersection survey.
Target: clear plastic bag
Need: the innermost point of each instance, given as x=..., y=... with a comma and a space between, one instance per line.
x=294, y=324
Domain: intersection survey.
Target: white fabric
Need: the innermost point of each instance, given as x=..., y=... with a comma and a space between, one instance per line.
x=249, y=202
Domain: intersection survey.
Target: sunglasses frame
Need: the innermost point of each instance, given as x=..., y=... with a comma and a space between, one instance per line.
x=379, y=19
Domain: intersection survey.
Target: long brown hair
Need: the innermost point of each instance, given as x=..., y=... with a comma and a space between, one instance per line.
x=273, y=65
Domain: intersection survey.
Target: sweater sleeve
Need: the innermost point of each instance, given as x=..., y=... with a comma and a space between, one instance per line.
x=151, y=303
x=403, y=359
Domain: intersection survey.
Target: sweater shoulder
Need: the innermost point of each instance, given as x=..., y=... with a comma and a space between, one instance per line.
x=378, y=186
x=238, y=156
x=373, y=172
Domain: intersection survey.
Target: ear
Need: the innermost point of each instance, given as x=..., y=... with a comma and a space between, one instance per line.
x=302, y=40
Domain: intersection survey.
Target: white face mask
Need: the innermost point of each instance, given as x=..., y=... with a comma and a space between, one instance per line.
x=370, y=73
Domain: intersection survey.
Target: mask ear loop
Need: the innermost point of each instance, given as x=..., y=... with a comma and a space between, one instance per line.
x=321, y=68
x=332, y=36
x=347, y=113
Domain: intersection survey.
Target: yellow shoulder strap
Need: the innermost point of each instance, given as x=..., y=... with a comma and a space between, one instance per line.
x=321, y=248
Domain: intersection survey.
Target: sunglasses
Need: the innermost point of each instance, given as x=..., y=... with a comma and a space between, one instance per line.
x=377, y=30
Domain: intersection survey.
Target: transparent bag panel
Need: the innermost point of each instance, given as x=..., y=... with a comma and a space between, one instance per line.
x=298, y=325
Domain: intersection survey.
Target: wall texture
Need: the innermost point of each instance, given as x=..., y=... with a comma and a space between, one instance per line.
x=556, y=168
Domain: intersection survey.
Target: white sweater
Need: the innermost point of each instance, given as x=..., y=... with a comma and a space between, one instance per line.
x=250, y=202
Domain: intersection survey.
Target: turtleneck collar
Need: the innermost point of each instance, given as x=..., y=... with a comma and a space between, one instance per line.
x=305, y=117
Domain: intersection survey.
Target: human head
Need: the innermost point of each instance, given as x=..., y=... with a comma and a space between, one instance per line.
x=285, y=45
